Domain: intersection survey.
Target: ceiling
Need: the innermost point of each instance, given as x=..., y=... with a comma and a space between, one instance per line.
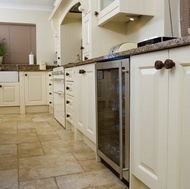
x=46, y=5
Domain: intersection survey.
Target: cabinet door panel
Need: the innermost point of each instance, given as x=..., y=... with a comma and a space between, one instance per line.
x=90, y=92
x=80, y=100
x=9, y=94
x=179, y=130
x=149, y=114
x=35, y=88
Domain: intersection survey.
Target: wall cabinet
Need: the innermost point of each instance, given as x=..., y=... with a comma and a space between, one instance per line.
x=160, y=132
x=35, y=88
x=86, y=35
x=117, y=10
x=85, y=101
x=9, y=94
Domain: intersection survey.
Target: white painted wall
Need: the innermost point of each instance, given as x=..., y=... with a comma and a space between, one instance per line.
x=71, y=36
x=159, y=25
x=45, y=45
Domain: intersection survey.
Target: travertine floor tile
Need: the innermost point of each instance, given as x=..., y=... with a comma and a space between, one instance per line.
x=30, y=149
x=18, y=138
x=8, y=163
x=8, y=150
x=9, y=179
x=9, y=130
x=39, y=184
x=88, y=180
x=87, y=154
x=36, y=152
x=91, y=165
x=66, y=135
x=67, y=146
x=48, y=166
x=48, y=136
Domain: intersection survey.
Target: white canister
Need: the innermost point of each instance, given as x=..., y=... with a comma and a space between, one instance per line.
x=31, y=59
x=42, y=65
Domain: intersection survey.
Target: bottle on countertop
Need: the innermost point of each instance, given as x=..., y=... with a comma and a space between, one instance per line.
x=31, y=59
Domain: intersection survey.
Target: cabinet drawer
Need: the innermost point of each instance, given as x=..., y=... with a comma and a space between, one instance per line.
x=69, y=116
x=69, y=102
x=69, y=88
x=69, y=74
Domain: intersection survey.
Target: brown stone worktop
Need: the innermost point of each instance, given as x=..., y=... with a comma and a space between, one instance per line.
x=24, y=67
x=145, y=49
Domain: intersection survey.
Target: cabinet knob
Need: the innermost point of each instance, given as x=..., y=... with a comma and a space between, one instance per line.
x=67, y=102
x=0, y=86
x=67, y=74
x=68, y=115
x=26, y=75
x=82, y=71
x=81, y=48
x=50, y=93
x=67, y=88
x=85, y=58
x=96, y=13
x=49, y=84
x=58, y=58
x=159, y=65
x=169, y=64
x=49, y=75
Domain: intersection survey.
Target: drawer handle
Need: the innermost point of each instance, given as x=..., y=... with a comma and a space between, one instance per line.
x=169, y=64
x=159, y=65
x=67, y=102
x=67, y=74
x=67, y=88
x=68, y=115
x=82, y=71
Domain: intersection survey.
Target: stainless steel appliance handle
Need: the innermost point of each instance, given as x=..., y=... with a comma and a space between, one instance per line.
x=120, y=122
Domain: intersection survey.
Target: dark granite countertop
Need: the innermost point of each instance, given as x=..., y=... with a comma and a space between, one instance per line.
x=24, y=67
x=145, y=49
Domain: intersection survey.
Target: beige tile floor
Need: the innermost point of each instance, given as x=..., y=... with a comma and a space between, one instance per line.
x=37, y=153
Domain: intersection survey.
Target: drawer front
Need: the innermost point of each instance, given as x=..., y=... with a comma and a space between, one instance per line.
x=69, y=74
x=69, y=88
x=69, y=102
x=69, y=116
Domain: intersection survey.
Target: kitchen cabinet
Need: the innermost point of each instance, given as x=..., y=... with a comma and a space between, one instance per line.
x=160, y=132
x=9, y=94
x=87, y=36
x=85, y=101
x=117, y=10
x=35, y=88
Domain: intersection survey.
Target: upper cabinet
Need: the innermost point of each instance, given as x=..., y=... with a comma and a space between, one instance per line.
x=123, y=10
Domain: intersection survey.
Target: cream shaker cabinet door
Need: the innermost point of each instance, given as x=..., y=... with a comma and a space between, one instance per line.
x=179, y=120
x=160, y=132
x=149, y=115
x=35, y=88
x=9, y=94
x=85, y=101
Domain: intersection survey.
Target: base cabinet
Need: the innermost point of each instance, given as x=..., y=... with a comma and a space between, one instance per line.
x=9, y=94
x=85, y=101
x=160, y=132
x=35, y=88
